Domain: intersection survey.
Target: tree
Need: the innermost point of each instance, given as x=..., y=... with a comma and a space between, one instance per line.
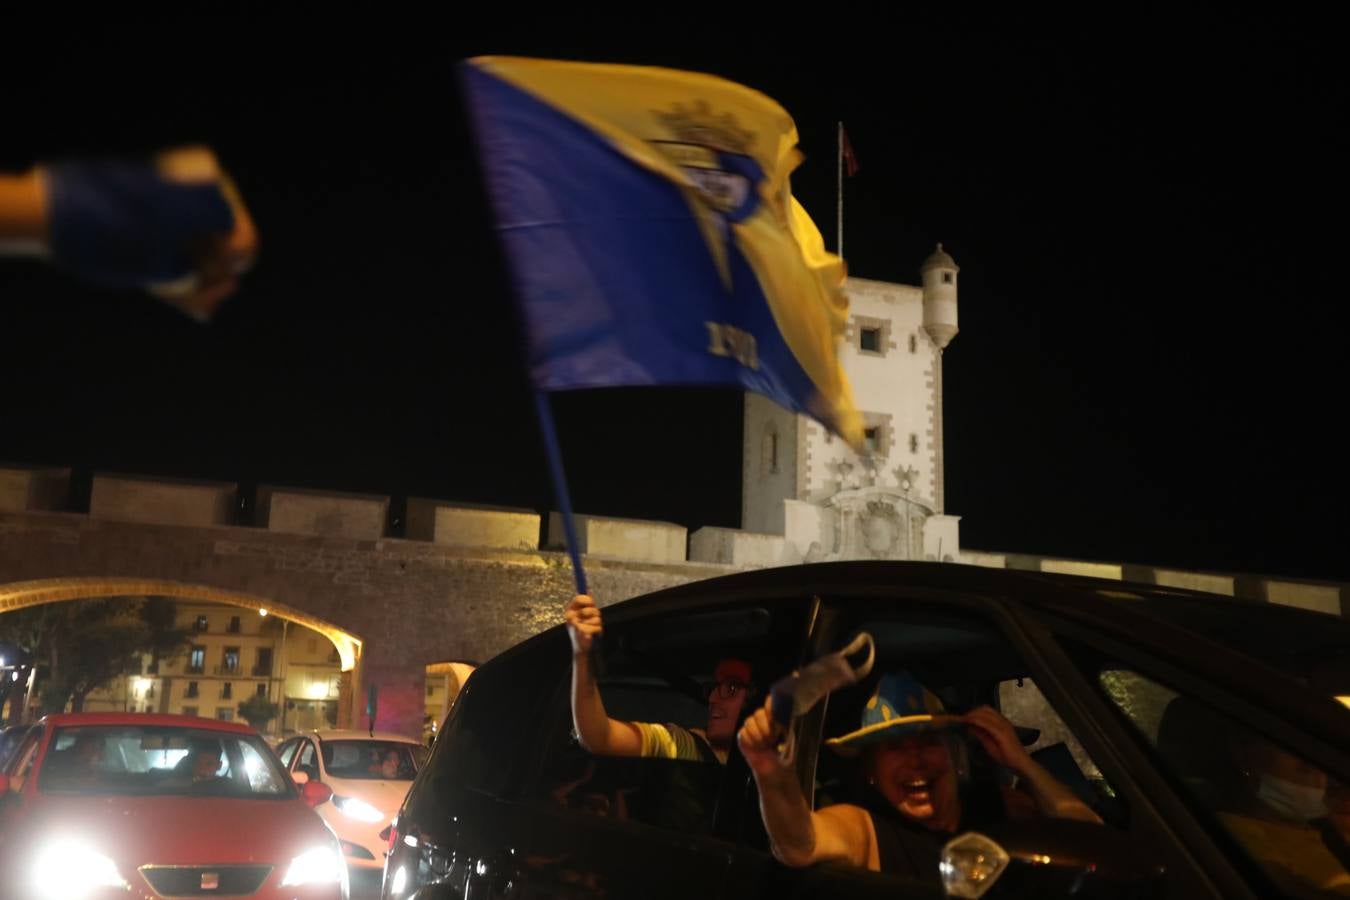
x=258, y=711
x=82, y=645
x=164, y=640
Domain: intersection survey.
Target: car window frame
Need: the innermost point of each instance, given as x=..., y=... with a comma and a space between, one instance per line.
x=727, y=826
x=308, y=745
x=1066, y=689
x=1195, y=679
x=26, y=758
x=1125, y=749
x=288, y=744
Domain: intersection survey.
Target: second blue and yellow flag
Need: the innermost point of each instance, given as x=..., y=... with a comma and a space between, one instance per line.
x=652, y=236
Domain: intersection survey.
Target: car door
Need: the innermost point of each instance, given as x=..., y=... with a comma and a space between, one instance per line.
x=1199, y=724
x=510, y=805
x=972, y=648
x=20, y=771
x=307, y=760
x=664, y=827
x=846, y=609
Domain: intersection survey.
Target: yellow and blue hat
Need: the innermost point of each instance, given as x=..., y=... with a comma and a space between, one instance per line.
x=898, y=708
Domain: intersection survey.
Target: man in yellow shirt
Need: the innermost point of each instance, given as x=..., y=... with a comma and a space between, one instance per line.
x=605, y=736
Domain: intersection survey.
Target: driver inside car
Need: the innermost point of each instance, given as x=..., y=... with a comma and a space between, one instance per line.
x=911, y=755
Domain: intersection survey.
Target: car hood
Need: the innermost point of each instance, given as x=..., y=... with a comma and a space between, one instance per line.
x=136, y=831
x=386, y=796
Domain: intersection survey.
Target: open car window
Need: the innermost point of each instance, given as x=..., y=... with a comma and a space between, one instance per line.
x=659, y=672
x=967, y=662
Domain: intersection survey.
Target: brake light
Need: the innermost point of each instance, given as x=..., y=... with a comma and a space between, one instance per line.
x=390, y=834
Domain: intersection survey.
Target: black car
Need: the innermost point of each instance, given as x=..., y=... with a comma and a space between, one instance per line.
x=1150, y=703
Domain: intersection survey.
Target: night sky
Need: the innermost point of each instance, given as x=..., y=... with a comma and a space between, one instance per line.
x=1147, y=216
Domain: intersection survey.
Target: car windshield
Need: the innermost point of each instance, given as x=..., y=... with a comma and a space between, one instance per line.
x=373, y=760
x=160, y=760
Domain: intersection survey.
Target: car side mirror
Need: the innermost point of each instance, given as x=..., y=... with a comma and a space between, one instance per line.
x=316, y=792
x=1035, y=858
x=300, y=778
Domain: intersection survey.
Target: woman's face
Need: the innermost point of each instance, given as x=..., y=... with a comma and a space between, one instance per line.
x=1292, y=769
x=916, y=775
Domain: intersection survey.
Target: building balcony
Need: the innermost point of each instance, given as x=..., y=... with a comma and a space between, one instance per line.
x=228, y=670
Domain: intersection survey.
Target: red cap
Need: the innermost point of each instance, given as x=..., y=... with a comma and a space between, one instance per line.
x=733, y=668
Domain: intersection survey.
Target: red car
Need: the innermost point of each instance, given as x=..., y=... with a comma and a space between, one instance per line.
x=132, y=806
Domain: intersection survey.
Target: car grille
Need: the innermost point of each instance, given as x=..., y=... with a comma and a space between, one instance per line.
x=197, y=881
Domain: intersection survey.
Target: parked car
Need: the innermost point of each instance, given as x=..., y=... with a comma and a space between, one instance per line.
x=357, y=781
x=1149, y=702
x=125, y=805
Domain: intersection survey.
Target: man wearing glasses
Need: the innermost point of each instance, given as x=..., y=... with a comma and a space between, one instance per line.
x=614, y=737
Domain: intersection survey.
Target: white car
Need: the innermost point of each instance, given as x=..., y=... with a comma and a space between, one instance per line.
x=364, y=779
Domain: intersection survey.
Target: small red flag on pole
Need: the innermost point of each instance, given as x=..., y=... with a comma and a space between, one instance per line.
x=846, y=149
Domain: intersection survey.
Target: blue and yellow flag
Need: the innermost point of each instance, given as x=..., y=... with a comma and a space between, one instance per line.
x=652, y=234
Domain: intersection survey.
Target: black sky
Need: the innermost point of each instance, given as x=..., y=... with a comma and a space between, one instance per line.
x=1148, y=216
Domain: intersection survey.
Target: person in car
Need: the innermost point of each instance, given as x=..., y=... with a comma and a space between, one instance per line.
x=386, y=766
x=198, y=769
x=912, y=804
x=1282, y=817
x=604, y=736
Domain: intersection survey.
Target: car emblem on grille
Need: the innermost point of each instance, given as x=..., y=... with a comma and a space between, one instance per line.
x=210, y=881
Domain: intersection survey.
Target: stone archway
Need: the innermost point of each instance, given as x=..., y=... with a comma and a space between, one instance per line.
x=22, y=594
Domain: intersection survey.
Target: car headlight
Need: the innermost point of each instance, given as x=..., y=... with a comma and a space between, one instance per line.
x=358, y=809
x=322, y=865
x=68, y=868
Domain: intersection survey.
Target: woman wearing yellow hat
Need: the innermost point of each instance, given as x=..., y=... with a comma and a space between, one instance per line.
x=913, y=805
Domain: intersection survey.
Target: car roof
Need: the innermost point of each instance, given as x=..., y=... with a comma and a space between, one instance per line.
x=343, y=734
x=1107, y=601
x=1168, y=622
x=161, y=719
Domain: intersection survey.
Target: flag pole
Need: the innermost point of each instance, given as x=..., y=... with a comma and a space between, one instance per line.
x=553, y=451
x=839, y=193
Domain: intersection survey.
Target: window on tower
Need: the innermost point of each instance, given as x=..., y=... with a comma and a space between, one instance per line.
x=869, y=339
x=769, y=458
x=913, y=443
x=948, y=277
x=872, y=439
x=913, y=344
